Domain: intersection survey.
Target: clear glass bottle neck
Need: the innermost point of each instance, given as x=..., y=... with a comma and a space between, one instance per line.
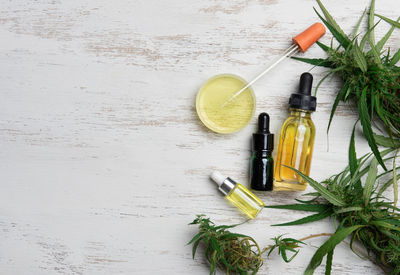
x=300, y=112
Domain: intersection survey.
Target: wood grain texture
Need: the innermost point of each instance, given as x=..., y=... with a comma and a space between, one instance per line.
x=103, y=161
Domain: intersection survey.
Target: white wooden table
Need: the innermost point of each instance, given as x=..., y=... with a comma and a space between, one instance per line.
x=103, y=161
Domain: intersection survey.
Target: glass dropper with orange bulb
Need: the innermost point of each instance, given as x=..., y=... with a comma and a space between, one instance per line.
x=226, y=103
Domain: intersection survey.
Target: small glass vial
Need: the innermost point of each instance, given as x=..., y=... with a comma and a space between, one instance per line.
x=238, y=195
x=297, y=139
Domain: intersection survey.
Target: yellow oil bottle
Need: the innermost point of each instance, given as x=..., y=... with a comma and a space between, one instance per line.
x=238, y=195
x=297, y=140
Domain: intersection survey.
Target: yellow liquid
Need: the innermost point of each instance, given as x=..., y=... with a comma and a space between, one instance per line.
x=234, y=115
x=295, y=150
x=246, y=201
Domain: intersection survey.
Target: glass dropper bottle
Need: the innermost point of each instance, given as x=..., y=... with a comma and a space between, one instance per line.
x=262, y=163
x=238, y=195
x=297, y=139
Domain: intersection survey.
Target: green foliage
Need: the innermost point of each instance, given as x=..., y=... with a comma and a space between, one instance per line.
x=394, y=23
x=386, y=142
x=285, y=245
x=322, y=190
x=311, y=218
x=328, y=247
x=235, y=252
x=229, y=251
x=364, y=213
x=371, y=78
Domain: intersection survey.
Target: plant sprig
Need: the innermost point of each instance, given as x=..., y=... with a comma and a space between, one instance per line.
x=229, y=251
x=235, y=252
x=284, y=246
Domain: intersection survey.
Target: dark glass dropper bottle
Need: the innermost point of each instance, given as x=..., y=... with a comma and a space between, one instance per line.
x=262, y=163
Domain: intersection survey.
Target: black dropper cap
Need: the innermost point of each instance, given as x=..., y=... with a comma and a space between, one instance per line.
x=263, y=139
x=303, y=99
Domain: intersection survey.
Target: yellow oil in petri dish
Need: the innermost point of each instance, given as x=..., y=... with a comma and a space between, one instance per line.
x=233, y=116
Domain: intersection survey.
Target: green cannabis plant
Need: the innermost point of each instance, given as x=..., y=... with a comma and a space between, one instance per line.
x=229, y=251
x=235, y=252
x=354, y=198
x=369, y=74
x=285, y=245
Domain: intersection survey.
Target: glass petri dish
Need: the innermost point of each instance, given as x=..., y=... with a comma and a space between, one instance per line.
x=235, y=115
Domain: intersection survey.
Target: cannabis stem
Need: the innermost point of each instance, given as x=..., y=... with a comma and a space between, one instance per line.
x=315, y=235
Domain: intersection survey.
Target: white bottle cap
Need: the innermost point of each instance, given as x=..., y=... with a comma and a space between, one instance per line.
x=218, y=177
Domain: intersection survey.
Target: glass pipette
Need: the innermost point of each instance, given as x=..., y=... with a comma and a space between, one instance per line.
x=300, y=43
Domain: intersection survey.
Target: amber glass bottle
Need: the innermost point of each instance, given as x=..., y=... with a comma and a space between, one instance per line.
x=297, y=139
